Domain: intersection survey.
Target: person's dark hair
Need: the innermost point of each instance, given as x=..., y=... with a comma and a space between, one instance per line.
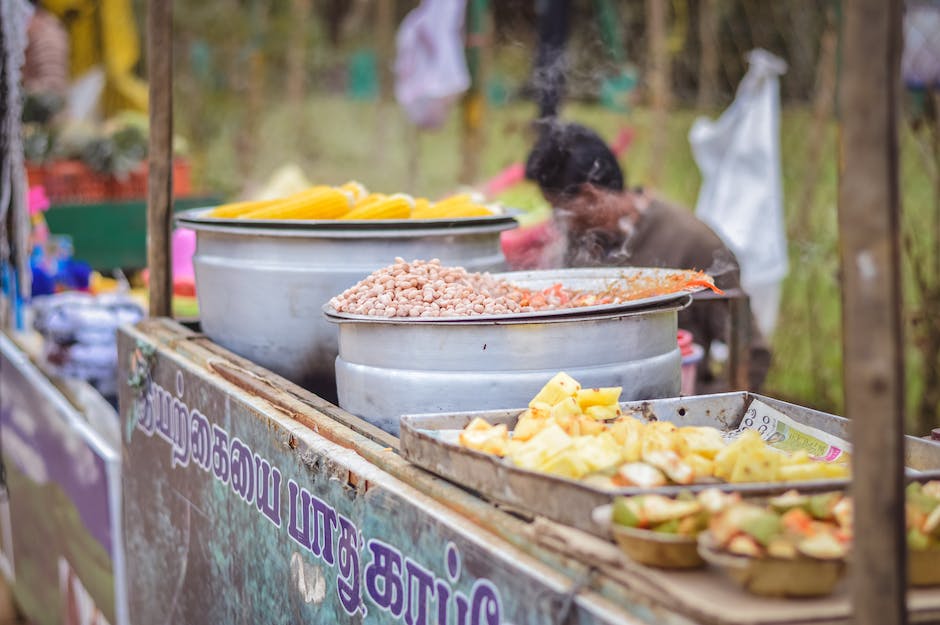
x=568, y=155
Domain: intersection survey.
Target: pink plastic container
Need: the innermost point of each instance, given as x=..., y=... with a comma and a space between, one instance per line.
x=692, y=354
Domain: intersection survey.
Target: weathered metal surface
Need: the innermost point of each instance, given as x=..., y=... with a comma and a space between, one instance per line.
x=60, y=523
x=429, y=442
x=387, y=368
x=261, y=288
x=218, y=484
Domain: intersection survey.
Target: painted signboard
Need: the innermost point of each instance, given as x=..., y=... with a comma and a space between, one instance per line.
x=60, y=522
x=236, y=513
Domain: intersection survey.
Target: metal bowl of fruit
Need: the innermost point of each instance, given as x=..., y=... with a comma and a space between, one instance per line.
x=769, y=576
x=796, y=546
x=923, y=533
x=659, y=549
x=660, y=531
x=923, y=566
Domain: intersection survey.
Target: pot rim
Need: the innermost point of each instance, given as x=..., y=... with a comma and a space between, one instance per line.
x=196, y=219
x=677, y=302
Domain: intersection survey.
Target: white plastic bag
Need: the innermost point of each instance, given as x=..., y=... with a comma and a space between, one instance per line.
x=920, y=61
x=430, y=67
x=741, y=197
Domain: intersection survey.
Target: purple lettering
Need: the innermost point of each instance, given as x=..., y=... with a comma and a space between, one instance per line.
x=220, y=463
x=200, y=440
x=383, y=578
x=324, y=524
x=269, y=490
x=164, y=406
x=420, y=584
x=443, y=601
x=145, y=418
x=348, y=582
x=462, y=609
x=452, y=560
x=243, y=470
x=179, y=431
x=485, y=603
x=298, y=528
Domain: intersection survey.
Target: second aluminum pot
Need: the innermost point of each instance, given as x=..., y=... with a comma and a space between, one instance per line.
x=387, y=368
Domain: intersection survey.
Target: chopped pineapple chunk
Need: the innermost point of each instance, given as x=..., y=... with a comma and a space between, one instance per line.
x=558, y=388
x=604, y=396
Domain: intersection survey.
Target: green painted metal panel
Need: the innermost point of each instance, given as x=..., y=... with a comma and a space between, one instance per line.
x=111, y=235
x=238, y=514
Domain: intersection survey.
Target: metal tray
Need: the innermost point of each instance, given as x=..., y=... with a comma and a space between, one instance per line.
x=429, y=441
x=586, y=279
x=200, y=216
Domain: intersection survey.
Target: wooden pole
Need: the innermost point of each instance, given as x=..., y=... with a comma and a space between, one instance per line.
x=658, y=71
x=160, y=155
x=473, y=103
x=384, y=27
x=708, y=62
x=873, y=365
x=297, y=53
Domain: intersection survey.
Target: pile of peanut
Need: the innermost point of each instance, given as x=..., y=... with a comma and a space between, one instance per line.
x=427, y=289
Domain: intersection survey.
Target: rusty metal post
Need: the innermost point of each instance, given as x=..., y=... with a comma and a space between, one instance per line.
x=160, y=181
x=739, y=348
x=873, y=358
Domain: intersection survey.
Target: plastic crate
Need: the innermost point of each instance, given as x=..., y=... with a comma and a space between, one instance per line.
x=134, y=185
x=74, y=182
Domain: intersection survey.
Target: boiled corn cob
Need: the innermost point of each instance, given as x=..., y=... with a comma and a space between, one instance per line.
x=358, y=191
x=327, y=203
x=395, y=207
x=453, y=211
x=370, y=199
x=421, y=204
x=237, y=209
x=453, y=200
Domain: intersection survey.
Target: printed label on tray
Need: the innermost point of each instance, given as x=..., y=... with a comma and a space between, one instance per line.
x=783, y=433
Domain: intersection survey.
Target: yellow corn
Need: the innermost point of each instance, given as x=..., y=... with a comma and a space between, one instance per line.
x=370, y=199
x=394, y=207
x=421, y=204
x=452, y=212
x=237, y=209
x=358, y=191
x=327, y=203
x=460, y=198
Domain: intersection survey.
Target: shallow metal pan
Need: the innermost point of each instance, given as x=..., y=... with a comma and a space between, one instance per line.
x=429, y=441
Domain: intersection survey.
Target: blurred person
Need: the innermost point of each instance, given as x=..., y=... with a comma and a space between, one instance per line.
x=602, y=222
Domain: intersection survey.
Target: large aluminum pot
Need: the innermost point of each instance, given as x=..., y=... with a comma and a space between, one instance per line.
x=261, y=285
x=387, y=368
